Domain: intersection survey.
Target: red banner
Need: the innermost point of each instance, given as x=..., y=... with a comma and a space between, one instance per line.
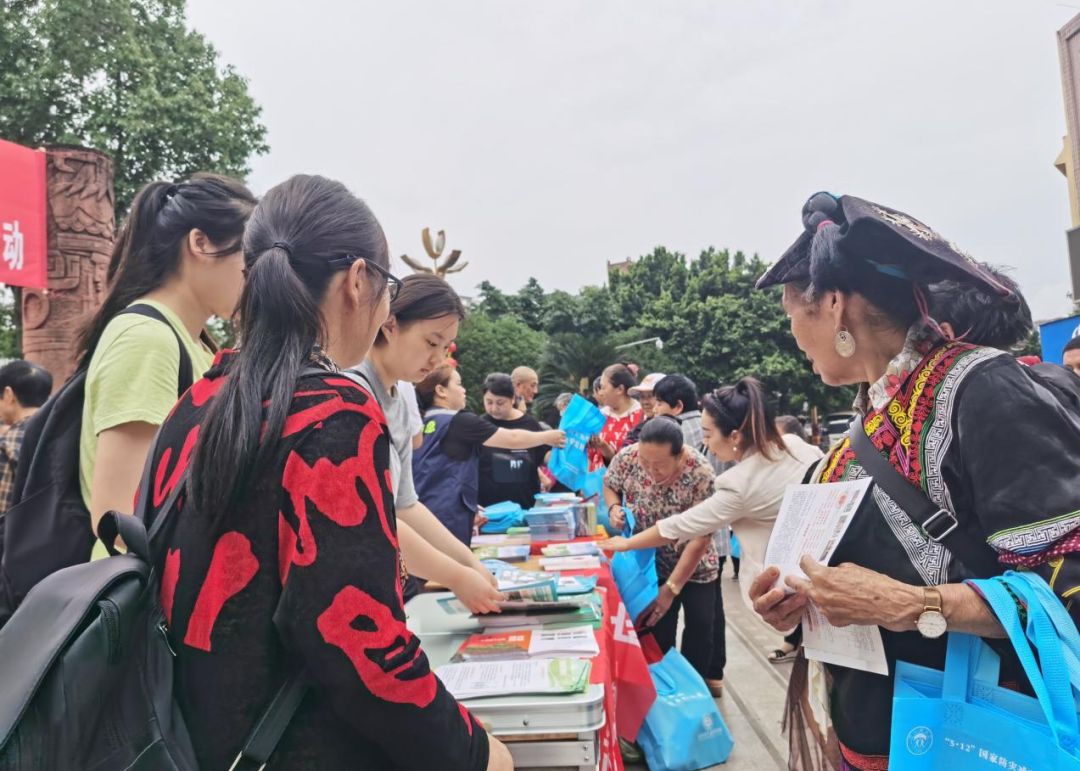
x=24, y=250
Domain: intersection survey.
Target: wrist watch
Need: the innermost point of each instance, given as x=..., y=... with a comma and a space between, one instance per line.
x=931, y=622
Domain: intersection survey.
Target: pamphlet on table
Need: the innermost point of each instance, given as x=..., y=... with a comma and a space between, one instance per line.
x=571, y=642
x=578, y=562
x=473, y=680
x=574, y=549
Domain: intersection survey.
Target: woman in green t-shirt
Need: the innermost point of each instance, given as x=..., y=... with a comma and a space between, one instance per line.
x=179, y=253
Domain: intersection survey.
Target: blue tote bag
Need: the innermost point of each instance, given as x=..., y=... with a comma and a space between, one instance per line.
x=635, y=574
x=684, y=730
x=570, y=464
x=502, y=516
x=962, y=719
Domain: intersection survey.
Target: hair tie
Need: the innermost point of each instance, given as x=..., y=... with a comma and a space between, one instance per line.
x=285, y=247
x=823, y=223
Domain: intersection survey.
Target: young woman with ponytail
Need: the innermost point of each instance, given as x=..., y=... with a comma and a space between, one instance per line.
x=414, y=340
x=177, y=257
x=285, y=555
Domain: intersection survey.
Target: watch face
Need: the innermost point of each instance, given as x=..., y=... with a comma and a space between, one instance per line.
x=931, y=624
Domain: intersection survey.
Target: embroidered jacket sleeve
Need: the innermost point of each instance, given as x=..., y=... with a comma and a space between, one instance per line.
x=1019, y=451
x=341, y=608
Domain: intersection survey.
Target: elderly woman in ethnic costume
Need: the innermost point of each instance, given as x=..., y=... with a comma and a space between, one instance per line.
x=979, y=451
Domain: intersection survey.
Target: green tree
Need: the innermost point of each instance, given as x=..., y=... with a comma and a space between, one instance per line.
x=528, y=304
x=570, y=363
x=716, y=327
x=10, y=345
x=127, y=77
x=486, y=345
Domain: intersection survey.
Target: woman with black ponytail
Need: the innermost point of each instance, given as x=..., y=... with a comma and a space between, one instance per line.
x=285, y=554
x=176, y=263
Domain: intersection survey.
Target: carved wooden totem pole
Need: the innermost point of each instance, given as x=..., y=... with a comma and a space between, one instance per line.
x=81, y=225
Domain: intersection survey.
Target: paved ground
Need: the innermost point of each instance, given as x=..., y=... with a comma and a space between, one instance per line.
x=754, y=689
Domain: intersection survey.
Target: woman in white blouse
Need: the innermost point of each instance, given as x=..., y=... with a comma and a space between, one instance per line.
x=739, y=426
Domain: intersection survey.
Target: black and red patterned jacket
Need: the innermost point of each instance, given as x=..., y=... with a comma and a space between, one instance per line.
x=304, y=573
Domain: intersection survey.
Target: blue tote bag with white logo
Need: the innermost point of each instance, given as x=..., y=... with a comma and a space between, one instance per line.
x=634, y=573
x=570, y=464
x=962, y=719
x=683, y=730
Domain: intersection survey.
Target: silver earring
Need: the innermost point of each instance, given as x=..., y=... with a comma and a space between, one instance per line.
x=844, y=343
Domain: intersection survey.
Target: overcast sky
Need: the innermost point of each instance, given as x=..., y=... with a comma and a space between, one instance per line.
x=548, y=137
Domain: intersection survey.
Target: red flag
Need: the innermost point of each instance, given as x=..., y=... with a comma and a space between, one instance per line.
x=24, y=250
x=636, y=692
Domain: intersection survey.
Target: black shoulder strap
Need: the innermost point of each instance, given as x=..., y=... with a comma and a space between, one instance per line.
x=185, y=376
x=939, y=524
x=271, y=725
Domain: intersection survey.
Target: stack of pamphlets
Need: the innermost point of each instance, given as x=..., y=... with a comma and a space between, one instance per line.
x=502, y=539
x=517, y=553
x=578, y=562
x=474, y=680
x=575, y=549
x=551, y=523
x=518, y=584
x=566, y=611
x=571, y=585
x=571, y=642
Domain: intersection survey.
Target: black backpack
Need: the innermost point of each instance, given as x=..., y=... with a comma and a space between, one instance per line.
x=48, y=527
x=1062, y=382
x=87, y=670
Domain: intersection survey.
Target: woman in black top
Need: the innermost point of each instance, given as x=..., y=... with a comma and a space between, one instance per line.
x=509, y=474
x=446, y=467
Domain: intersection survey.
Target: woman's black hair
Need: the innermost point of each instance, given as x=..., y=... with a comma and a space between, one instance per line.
x=663, y=429
x=422, y=297
x=620, y=376
x=980, y=317
x=833, y=269
x=673, y=389
x=743, y=407
x=499, y=384
x=425, y=389
x=147, y=250
x=297, y=228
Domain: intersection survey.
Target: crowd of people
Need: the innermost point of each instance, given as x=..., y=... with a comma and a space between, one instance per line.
x=330, y=462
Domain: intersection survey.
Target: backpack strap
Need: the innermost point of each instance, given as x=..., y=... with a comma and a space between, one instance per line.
x=939, y=524
x=269, y=728
x=185, y=376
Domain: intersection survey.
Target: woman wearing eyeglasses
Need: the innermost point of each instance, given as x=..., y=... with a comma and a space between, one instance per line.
x=284, y=556
x=413, y=341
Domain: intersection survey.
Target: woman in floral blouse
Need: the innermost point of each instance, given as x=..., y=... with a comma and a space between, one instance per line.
x=655, y=479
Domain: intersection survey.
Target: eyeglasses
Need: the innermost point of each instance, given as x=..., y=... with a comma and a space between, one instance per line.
x=393, y=283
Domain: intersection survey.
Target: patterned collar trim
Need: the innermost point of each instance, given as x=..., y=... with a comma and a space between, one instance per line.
x=920, y=339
